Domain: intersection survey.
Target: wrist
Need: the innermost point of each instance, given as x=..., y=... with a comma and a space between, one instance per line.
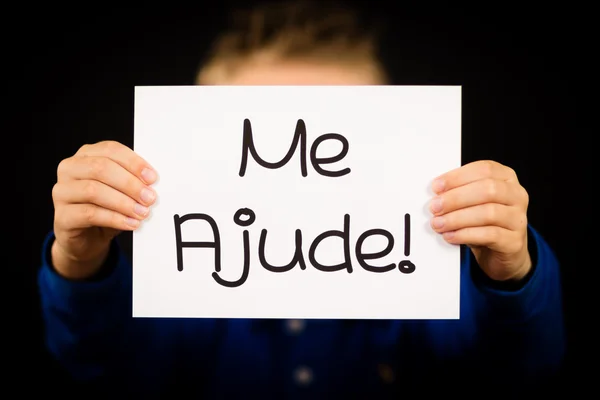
x=70, y=267
x=524, y=269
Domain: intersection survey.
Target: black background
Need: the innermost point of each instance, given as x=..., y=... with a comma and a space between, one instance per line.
x=524, y=77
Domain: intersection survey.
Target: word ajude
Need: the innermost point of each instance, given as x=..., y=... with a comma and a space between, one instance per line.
x=245, y=217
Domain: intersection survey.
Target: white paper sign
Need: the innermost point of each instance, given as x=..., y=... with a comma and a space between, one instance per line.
x=296, y=202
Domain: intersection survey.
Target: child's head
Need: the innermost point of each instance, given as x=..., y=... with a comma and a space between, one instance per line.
x=295, y=43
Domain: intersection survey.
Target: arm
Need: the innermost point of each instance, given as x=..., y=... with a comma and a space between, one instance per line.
x=89, y=329
x=511, y=328
x=521, y=326
x=510, y=336
x=85, y=280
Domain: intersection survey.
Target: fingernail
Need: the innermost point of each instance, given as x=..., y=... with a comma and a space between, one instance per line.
x=448, y=235
x=134, y=223
x=438, y=222
x=147, y=195
x=141, y=210
x=438, y=185
x=436, y=204
x=148, y=175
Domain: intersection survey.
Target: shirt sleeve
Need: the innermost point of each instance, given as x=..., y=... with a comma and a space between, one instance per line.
x=517, y=328
x=521, y=327
x=90, y=330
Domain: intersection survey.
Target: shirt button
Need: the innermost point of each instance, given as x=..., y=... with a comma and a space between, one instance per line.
x=303, y=376
x=386, y=373
x=295, y=326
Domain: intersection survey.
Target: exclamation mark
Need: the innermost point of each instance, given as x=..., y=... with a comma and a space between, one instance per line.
x=407, y=235
x=406, y=266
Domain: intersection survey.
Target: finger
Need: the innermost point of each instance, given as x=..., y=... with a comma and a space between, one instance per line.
x=80, y=216
x=475, y=193
x=472, y=172
x=493, y=237
x=110, y=173
x=95, y=192
x=122, y=155
x=490, y=214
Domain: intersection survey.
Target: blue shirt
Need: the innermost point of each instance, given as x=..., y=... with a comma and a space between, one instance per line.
x=505, y=337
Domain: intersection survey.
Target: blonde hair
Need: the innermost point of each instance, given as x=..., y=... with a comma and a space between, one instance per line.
x=293, y=30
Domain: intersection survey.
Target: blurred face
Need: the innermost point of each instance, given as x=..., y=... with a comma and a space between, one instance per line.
x=303, y=73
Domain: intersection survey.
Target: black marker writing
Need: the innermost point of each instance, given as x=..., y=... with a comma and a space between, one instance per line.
x=405, y=266
x=407, y=235
x=361, y=257
x=248, y=145
x=299, y=138
x=237, y=218
x=215, y=244
x=315, y=161
x=345, y=236
x=297, y=259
